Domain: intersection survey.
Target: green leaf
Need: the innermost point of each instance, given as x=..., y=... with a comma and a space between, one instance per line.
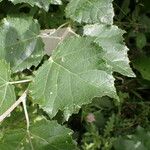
x=145, y=20
x=43, y=135
x=114, y=49
x=142, y=64
x=138, y=141
x=56, y=2
x=141, y=40
x=90, y=11
x=72, y=77
x=20, y=44
x=7, y=94
x=39, y=3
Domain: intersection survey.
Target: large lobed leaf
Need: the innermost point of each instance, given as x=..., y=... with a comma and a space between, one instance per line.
x=20, y=44
x=72, y=77
x=114, y=49
x=42, y=135
x=91, y=11
x=7, y=94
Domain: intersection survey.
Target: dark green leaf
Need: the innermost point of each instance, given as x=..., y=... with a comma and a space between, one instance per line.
x=143, y=65
x=141, y=40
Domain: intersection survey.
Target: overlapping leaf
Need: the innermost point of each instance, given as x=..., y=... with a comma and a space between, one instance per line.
x=72, y=77
x=40, y=3
x=43, y=135
x=7, y=94
x=91, y=11
x=114, y=49
x=20, y=44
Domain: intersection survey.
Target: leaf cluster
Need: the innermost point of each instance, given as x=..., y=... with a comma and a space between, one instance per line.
x=59, y=58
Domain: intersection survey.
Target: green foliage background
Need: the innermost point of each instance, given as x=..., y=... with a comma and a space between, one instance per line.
x=105, y=124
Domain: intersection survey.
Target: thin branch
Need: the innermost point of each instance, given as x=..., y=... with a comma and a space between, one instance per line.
x=26, y=112
x=64, y=24
x=19, y=82
x=21, y=99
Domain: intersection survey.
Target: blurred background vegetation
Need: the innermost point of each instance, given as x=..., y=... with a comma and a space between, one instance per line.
x=106, y=124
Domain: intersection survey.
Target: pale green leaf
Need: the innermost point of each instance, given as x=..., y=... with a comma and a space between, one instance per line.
x=39, y=3
x=43, y=135
x=90, y=11
x=20, y=44
x=7, y=94
x=72, y=77
x=114, y=49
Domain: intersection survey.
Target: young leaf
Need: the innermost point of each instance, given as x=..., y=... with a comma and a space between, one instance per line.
x=7, y=94
x=90, y=11
x=43, y=135
x=114, y=49
x=72, y=77
x=20, y=44
x=41, y=4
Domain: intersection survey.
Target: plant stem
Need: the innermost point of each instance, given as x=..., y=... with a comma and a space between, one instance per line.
x=21, y=99
x=26, y=112
x=18, y=82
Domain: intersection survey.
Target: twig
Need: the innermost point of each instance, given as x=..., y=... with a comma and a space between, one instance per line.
x=26, y=112
x=21, y=99
x=19, y=82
